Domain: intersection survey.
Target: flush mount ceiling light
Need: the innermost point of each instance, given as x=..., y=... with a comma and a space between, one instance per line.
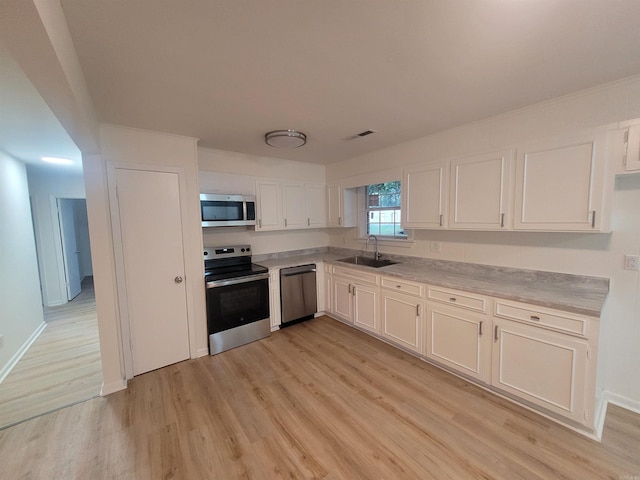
x=285, y=139
x=57, y=160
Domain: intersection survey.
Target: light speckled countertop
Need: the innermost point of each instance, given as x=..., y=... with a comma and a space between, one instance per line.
x=570, y=293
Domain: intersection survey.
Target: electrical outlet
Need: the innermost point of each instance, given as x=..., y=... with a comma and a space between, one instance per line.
x=435, y=247
x=631, y=262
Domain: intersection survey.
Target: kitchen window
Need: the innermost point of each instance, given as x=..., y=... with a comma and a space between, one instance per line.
x=382, y=206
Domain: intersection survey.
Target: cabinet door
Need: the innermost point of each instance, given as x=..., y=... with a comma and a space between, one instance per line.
x=365, y=307
x=480, y=192
x=274, y=293
x=342, y=298
x=341, y=206
x=459, y=340
x=539, y=366
x=316, y=198
x=334, y=205
x=632, y=158
x=424, y=196
x=294, y=206
x=269, y=205
x=559, y=184
x=402, y=316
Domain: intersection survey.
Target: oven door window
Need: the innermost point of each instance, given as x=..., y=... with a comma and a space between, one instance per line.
x=213, y=210
x=236, y=305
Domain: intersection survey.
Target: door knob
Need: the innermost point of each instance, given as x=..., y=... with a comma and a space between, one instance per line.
x=178, y=279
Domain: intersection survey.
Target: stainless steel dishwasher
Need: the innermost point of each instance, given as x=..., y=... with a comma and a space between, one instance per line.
x=298, y=297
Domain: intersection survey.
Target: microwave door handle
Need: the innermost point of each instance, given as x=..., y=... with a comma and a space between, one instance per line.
x=244, y=211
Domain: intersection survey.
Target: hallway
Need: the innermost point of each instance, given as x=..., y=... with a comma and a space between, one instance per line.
x=61, y=368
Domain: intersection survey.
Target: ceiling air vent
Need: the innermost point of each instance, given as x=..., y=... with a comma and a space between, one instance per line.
x=361, y=134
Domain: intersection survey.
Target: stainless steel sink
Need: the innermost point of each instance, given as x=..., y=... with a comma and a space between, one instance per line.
x=368, y=262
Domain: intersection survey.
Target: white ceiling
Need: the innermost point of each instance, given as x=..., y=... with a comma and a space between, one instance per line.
x=28, y=128
x=227, y=71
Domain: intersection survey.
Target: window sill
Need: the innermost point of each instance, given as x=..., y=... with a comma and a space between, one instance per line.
x=390, y=242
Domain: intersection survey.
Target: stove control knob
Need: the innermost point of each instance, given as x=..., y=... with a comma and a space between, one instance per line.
x=178, y=279
x=248, y=249
x=242, y=249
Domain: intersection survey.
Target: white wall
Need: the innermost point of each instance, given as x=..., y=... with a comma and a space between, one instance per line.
x=20, y=300
x=45, y=186
x=131, y=147
x=585, y=254
x=228, y=172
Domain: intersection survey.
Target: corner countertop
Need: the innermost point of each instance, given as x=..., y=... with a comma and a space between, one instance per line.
x=571, y=293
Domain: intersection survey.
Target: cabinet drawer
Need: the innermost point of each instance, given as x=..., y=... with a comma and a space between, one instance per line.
x=458, y=298
x=405, y=286
x=356, y=275
x=553, y=319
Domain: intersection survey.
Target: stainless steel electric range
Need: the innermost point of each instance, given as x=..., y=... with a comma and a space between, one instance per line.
x=237, y=297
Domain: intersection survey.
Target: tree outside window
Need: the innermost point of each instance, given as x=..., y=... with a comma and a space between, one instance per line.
x=383, y=209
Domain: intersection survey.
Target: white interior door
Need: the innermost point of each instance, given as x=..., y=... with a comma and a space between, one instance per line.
x=70, y=252
x=153, y=254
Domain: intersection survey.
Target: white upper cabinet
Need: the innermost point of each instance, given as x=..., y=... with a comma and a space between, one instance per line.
x=424, y=192
x=632, y=156
x=560, y=184
x=269, y=205
x=290, y=205
x=294, y=206
x=316, y=201
x=341, y=206
x=480, y=192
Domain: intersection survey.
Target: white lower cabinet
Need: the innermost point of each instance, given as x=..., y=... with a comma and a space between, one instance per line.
x=402, y=317
x=365, y=307
x=275, y=313
x=355, y=298
x=460, y=340
x=541, y=356
x=341, y=297
x=542, y=367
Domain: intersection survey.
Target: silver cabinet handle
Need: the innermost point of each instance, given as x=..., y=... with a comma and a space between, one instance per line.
x=441, y=218
x=495, y=333
x=535, y=318
x=417, y=310
x=178, y=279
x=480, y=328
x=308, y=222
x=502, y=220
x=339, y=220
x=285, y=222
x=593, y=219
x=259, y=223
x=349, y=288
x=353, y=291
x=453, y=299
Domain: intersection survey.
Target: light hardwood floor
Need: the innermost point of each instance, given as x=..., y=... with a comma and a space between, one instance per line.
x=315, y=400
x=61, y=368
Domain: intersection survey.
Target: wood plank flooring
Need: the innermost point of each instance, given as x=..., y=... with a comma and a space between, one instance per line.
x=315, y=400
x=62, y=366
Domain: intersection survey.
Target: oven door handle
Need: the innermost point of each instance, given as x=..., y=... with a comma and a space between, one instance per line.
x=236, y=281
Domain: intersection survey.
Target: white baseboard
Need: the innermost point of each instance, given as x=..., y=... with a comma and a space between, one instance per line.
x=108, y=388
x=622, y=401
x=21, y=351
x=202, y=352
x=615, y=399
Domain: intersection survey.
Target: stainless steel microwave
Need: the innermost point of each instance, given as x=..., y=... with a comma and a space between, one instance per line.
x=227, y=210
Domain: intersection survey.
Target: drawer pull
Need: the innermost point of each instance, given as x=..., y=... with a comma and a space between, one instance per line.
x=349, y=288
x=398, y=286
x=418, y=310
x=453, y=299
x=495, y=334
x=353, y=291
x=535, y=318
x=480, y=328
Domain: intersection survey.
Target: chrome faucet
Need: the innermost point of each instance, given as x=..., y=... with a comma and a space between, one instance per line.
x=366, y=247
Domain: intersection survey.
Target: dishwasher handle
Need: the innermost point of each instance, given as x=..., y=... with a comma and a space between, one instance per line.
x=298, y=270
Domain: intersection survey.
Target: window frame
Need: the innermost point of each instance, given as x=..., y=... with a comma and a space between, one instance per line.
x=363, y=218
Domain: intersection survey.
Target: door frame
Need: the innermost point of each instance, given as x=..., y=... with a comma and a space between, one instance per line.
x=124, y=324
x=57, y=235
x=66, y=256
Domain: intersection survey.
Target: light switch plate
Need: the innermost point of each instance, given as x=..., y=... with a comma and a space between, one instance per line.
x=435, y=247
